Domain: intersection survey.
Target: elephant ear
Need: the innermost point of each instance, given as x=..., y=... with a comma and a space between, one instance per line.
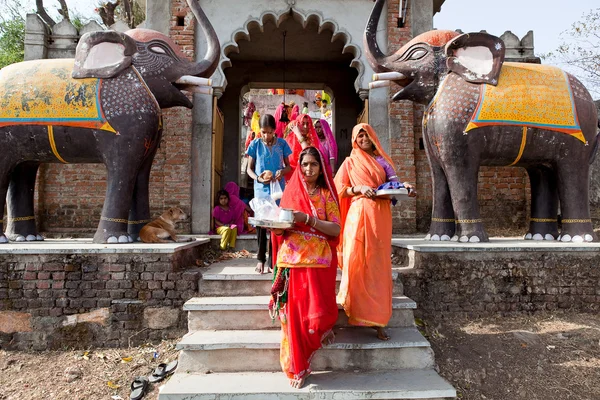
x=103, y=54
x=477, y=57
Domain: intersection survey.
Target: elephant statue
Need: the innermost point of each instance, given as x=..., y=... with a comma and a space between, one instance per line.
x=104, y=106
x=481, y=110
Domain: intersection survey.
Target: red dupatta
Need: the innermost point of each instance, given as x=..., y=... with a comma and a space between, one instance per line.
x=296, y=146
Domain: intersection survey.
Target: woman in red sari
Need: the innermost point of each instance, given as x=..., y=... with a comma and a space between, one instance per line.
x=300, y=134
x=303, y=292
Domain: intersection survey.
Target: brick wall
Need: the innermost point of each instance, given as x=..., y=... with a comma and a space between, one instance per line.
x=49, y=301
x=478, y=283
x=70, y=197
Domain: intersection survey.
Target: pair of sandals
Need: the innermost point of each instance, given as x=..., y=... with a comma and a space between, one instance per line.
x=140, y=385
x=261, y=267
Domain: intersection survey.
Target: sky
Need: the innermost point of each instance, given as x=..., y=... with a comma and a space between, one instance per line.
x=546, y=18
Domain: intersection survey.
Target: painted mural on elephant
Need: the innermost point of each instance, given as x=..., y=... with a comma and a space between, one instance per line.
x=481, y=110
x=104, y=106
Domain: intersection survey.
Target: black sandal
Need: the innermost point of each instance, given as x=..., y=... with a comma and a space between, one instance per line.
x=162, y=371
x=139, y=387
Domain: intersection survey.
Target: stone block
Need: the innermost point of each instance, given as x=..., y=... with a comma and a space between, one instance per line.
x=161, y=317
x=11, y=322
x=99, y=316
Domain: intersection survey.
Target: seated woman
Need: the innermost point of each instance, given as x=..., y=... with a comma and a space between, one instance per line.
x=303, y=292
x=226, y=221
x=366, y=246
x=240, y=210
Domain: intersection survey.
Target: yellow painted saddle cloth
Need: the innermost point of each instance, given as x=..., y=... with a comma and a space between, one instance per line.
x=43, y=93
x=529, y=95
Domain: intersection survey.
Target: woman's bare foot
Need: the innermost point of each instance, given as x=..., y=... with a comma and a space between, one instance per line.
x=382, y=334
x=260, y=268
x=297, y=383
x=329, y=339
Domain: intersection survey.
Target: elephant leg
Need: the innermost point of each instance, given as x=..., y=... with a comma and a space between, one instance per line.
x=462, y=177
x=544, y=204
x=21, y=225
x=119, y=191
x=139, y=214
x=443, y=224
x=573, y=178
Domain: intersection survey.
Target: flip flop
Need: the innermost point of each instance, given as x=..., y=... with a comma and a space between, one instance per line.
x=139, y=386
x=162, y=371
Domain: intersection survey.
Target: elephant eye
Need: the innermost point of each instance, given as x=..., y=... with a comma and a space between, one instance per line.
x=417, y=54
x=158, y=50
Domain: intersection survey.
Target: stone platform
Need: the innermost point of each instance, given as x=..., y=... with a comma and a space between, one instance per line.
x=502, y=276
x=72, y=292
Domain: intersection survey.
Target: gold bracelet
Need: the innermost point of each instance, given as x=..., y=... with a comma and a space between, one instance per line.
x=314, y=222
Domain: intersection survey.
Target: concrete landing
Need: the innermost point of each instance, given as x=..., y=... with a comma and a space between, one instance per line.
x=86, y=246
x=404, y=384
x=494, y=245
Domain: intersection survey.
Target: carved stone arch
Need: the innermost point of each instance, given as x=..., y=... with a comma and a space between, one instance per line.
x=338, y=33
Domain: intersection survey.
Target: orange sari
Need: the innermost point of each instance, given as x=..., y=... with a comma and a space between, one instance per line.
x=307, y=266
x=364, y=253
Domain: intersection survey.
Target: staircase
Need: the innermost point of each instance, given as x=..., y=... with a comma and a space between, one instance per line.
x=232, y=349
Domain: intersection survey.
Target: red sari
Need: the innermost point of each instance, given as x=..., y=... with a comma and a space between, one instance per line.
x=311, y=140
x=307, y=259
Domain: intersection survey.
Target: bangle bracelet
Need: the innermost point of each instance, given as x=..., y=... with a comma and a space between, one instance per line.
x=314, y=224
x=353, y=192
x=307, y=219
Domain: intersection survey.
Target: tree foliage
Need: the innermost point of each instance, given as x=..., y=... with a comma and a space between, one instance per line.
x=580, y=50
x=129, y=11
x=12, y=41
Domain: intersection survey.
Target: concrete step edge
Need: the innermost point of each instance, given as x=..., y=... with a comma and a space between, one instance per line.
x=240, y=274
x=326, y=385
x=228, y=303
x=346, y=339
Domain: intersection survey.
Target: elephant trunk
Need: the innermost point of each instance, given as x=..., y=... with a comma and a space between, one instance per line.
x=374, y=55
x=213, y=53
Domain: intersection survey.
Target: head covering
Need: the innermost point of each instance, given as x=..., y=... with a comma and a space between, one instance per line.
x=280, y=126
x=295, y=146
x=295, y=196
x=236, y=205
x=361, y=168
x=295, y=112
x=248, y=113
x=331, y=143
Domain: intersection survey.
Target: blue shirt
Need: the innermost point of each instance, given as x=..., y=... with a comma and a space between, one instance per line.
x=268, y=158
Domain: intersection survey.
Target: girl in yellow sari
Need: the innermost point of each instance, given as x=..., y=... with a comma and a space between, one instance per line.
x=364, y=252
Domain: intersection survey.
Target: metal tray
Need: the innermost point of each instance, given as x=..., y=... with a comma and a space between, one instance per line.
x=397, y=193
x=263, y=223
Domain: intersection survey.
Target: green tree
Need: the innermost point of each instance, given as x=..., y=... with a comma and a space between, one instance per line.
x=580, y=50
x=12, y=39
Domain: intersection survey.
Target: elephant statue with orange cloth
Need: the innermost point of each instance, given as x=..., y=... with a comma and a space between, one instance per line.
x=481, y=110
x=104, y=106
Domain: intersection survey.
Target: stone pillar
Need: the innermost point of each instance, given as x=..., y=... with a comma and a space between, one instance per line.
x=158, y=15
x=36, y=38
x=202, y=139
x=421, y=16
x=379, y=115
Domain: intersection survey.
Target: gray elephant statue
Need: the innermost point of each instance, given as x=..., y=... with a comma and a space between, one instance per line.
x=481, y=110
x=104, y=106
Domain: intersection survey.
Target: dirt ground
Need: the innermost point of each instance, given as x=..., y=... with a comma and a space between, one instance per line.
x=546, y=356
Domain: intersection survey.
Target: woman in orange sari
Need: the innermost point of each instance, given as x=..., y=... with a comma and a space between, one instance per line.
x=366, y=244
x=303, y=292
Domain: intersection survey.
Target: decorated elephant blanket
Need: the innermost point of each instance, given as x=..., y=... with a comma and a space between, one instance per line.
x=529, y=95
x=43, y=93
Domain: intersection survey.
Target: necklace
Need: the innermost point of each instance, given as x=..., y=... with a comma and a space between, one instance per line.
x=312, y=192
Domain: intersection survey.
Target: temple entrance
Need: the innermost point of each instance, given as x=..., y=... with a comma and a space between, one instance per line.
x=316, y=61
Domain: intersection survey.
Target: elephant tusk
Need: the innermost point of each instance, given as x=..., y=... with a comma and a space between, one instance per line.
x=378, y=84
x=193, y=80
x=199, y=89
x=391, y=76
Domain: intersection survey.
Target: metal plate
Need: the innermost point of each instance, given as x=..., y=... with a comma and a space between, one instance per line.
x=270, y=224
x=397, y=193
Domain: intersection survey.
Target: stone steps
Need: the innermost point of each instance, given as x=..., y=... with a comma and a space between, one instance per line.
x=238, y=278
x=258, y=350
x=251, y=312
x=329, y=385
